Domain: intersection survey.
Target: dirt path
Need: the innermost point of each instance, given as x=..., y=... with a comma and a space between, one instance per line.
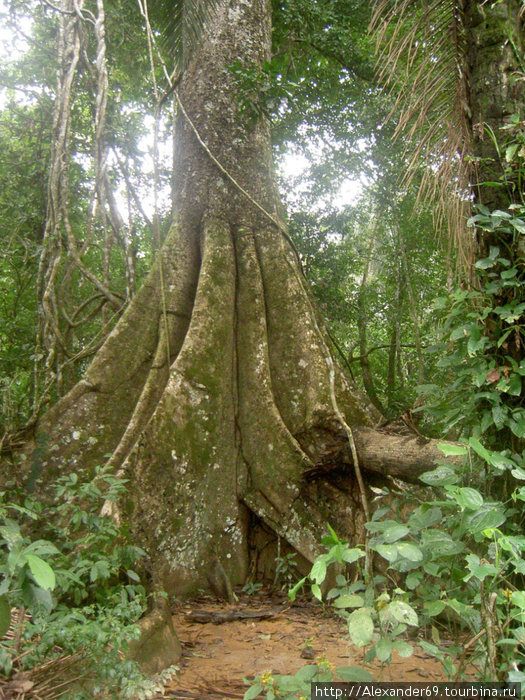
x=216, y=657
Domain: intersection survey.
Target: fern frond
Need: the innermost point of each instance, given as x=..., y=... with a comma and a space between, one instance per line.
x=421, y=50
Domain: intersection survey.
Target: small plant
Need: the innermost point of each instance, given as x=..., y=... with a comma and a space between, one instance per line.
x=72, y=570
x=285, y=570
x=297, y=686
x=250, y=587
x=308, y=643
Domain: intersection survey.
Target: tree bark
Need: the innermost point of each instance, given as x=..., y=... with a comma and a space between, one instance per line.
x=404, y=457
x=362, y=324
x=214, y=394
x=495, y=47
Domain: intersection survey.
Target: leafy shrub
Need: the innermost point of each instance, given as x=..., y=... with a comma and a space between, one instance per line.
x=72, y=569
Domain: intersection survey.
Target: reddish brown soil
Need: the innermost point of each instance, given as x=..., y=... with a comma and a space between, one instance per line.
x=216, y=657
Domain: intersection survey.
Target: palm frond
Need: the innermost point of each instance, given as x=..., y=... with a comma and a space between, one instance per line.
x=180, y=25
x=421, y=49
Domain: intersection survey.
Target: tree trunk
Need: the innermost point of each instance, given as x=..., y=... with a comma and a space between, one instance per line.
x=495, y=47
x=362, y=325
x=216, y=392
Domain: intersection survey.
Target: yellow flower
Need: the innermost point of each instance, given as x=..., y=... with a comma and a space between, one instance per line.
x=324, y=664
x=266, y=678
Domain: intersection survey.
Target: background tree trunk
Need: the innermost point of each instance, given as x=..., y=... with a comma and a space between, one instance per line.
x=495, y=49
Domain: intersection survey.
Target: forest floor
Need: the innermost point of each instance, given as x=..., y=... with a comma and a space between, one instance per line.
x=217, y=656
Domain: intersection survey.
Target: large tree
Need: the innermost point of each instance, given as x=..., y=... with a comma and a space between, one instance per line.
x=217, y=393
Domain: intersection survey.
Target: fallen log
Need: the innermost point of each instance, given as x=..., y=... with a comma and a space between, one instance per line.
x=404, y=457
x=219, y=617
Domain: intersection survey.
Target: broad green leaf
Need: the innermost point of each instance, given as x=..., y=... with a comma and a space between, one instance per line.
x=500, y=461
x=334, y=554
x=384, y=649
x=498, y=415
x=317, y=591
x=424, y=517
x=349, y=601
x=410, y=551
x=15, y=559
x=461, y=331
x=5, y=615
x=354, y=673
x=450, y=449
x=514, y=388
x=403, y=612
x=509, y=274
x=306, y=673
x=480, y=570
x=387, y=551
x=40, y=547
x=133, y=575
x=481, y=451
x=42, y=573
x=10, y=532
x=429, y=567
x=430, y=649
x=412, y=581
x=439, y=476
x=518, y=224
x=512, y=543
x=253, y=692
x=381, y=525
x=352, y=555
x=487, y=518
x=518, y=598
x=485, y=263
x=468, y=498
x=318, y=571
x=360, y=627
x=404, y=649
x=99, y=570
x=466, y=612
x=438, y=543
x=504, y=337
x=395, y=533
x=434, y=607
x=518, y=427
x=37, y=599
x=334, y=538
x=476, y=342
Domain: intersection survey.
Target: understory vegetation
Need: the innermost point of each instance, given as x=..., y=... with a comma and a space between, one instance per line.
x=429, y=323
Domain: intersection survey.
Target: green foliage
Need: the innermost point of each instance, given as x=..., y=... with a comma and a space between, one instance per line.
x=261, y=92
x=73, y=570
x=250, y=588
x=274, y=686
x=452, y=555
x=456, y=560
x=285, y=570
x=480, y=346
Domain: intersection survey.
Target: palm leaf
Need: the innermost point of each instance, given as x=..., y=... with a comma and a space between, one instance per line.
x=179, y=25
x=421, y=57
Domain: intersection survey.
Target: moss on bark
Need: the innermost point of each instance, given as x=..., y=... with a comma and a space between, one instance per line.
x=224, y=413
